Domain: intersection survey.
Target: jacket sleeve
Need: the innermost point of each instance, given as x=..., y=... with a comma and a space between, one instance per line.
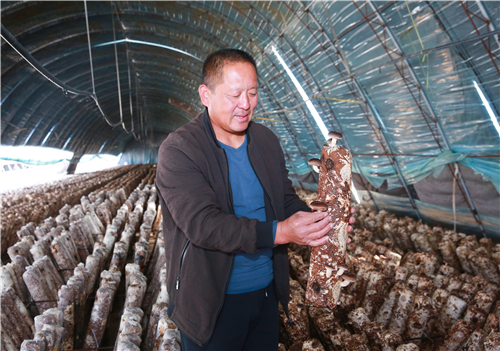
x=292, y=201
x=186, y=185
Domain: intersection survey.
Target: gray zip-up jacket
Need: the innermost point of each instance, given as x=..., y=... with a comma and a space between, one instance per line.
x=200, y=228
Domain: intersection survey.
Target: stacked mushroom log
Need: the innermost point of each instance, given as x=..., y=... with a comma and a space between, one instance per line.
x=327, y=267
x=161, y=332
x=34, y=204
x=47, y=270
x=126, y=225
x=416, y=288
x=145, y=324
x=150, y=177
x=72, y=297
x=85, y=275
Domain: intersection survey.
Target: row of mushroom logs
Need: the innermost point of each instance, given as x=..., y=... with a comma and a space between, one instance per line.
x=49, y=286
x=144, y=324
x=35, y=285
x=405, y=297
x=32, y=205
x=411, y=294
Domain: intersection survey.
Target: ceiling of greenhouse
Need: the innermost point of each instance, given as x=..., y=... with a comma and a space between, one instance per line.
x=412, y=85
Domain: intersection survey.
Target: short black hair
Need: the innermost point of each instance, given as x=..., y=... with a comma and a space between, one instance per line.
x=214, y=63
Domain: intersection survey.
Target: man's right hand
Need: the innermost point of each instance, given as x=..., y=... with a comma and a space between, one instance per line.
x=304, y=228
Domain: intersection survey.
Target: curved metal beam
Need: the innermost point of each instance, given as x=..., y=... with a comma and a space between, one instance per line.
x=100, y=85
x=9, y=38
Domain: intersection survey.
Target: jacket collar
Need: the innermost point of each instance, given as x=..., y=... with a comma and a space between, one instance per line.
x=210, y=129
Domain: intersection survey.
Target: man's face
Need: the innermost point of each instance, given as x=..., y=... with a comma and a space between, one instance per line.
x=231, y=103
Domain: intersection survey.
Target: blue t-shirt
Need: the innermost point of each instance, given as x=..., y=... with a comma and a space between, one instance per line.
x=250, y=271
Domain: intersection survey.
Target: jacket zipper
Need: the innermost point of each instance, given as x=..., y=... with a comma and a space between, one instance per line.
x=230, y=192
x=183, y=256
x=229, y=189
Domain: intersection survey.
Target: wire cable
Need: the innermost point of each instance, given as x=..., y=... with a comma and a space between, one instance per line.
x=90, y=48
x=118, y=74
x=21, y=50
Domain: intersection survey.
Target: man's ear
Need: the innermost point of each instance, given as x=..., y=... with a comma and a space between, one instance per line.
x=204, y=94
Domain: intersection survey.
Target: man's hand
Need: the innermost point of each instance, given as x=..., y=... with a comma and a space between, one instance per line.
x=305, y=228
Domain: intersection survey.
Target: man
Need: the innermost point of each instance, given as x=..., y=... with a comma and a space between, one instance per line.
x=228, y=209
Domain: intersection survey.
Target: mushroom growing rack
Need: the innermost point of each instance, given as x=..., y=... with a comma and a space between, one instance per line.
x=94, y=276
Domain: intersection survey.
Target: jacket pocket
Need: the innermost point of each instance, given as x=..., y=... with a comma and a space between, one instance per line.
x=183, y=256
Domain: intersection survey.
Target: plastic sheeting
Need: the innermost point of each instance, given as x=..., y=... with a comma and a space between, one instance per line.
x=139, y=156
x=423, y=167
x=39, y=156
x=488, y=169
x=446, y=77
x=136, y=152
x=425, y=110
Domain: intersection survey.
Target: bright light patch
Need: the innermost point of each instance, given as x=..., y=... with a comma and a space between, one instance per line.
x=32, y=165
x=488, y=107
x=23, y=166
x=93, y=163
x=34, y=154
x=67, y=142
x=48, y=135
x=355, y=193
x=309, y=104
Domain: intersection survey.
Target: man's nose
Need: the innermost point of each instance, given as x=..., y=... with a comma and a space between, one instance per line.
x=244, y=102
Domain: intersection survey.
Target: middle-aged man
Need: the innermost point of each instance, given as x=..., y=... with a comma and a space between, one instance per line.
x=228, y=211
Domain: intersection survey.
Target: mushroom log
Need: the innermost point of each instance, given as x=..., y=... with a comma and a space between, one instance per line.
x=326, y=270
